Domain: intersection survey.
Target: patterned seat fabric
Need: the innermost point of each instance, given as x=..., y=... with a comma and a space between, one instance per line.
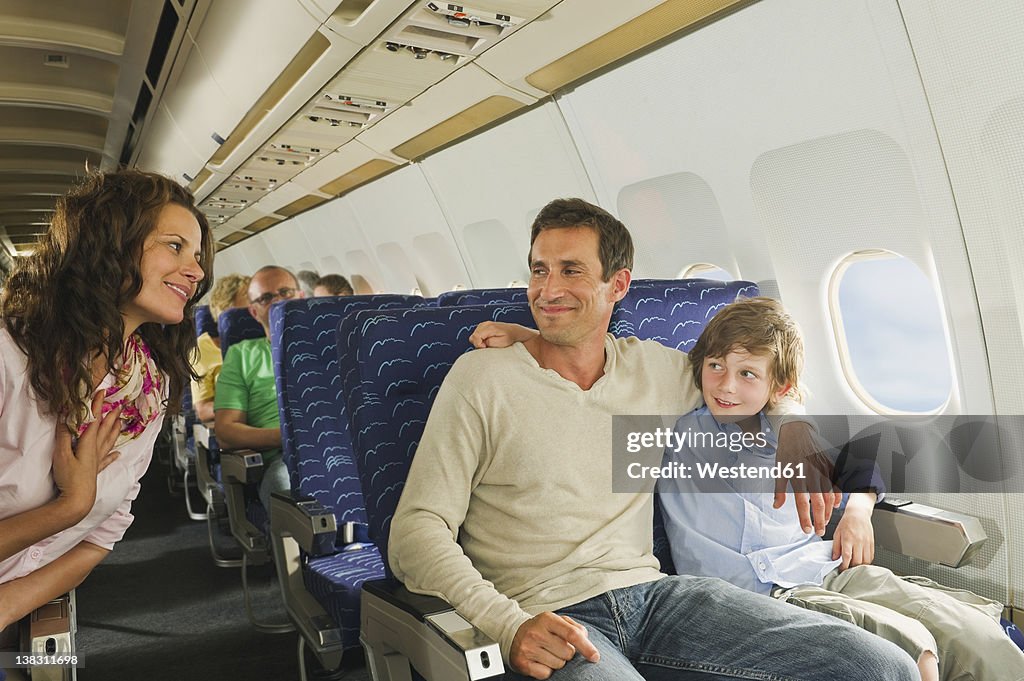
x=482, y=296
x=335, y=581
x=205, y=323
x=392, y=365
x=673, y=312
x=315, y=443
x=236, y=325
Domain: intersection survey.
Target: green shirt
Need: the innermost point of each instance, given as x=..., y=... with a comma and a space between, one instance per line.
x=246, y=383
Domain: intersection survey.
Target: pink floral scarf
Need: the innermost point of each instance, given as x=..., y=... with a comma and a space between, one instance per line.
x=138, y=389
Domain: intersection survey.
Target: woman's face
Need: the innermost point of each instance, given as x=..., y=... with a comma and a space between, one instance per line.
x=169, y=268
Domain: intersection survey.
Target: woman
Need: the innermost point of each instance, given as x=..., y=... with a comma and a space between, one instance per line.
x=94, y=345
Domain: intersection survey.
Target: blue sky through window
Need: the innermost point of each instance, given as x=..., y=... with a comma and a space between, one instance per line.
x=894, y=333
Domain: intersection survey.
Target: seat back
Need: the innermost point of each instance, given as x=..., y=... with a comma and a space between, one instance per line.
x=236, y=325
x=205, y=323
x=673, y=312
x=315, y=443
x=392, y=364
x=482, y=296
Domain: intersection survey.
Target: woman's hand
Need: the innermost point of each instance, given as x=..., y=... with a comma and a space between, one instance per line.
x=75, y=470
x=499, y=335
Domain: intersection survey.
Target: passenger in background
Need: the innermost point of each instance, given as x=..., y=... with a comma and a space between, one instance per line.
x=97, y=332
x=307, y=281
x=229, y=292
x=508, y=511
x=332, y=285
x=245, y=405
x=749, y=357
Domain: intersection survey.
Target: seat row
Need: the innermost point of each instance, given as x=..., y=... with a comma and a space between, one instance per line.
x=355, y=385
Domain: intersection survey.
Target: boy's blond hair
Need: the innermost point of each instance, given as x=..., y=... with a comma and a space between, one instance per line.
x=761, y=326
x=224, y=292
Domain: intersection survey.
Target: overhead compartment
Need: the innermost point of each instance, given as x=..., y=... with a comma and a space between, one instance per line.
x=168, y=151
x=457, y=32
x=579, y=37
x=462, y=103
x=345, y=169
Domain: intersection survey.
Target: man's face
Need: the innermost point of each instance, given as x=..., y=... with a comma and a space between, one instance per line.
x=267, y=288
x=568, y=298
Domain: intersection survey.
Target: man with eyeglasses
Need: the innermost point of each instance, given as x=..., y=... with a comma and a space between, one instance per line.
x=245, y=405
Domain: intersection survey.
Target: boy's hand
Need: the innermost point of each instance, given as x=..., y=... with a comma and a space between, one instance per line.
x=854, y=540
x=546, y=642
x=815, y=496
x=499, y=335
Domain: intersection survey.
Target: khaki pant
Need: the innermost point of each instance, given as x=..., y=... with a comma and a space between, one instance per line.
x=917, y=614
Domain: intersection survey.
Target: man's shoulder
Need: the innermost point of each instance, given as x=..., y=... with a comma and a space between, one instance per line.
x=481, y=363
x=633, y=348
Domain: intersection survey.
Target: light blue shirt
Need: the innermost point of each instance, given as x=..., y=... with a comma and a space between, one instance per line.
x=737, y=535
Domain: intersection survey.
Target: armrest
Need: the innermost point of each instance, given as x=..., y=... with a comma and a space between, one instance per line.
x=242, y=466
x=307, y=521
x=926, y=532
x=399, y=627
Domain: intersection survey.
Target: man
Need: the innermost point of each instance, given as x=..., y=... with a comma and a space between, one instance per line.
x=332, y=285
x=515, y=463
x=245, y=404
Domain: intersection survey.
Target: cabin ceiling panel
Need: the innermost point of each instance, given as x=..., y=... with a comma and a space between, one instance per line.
x=69, y=22
x=70, y=73
x=28, y=76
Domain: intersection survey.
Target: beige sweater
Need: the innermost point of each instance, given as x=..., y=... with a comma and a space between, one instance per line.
x=516, y=464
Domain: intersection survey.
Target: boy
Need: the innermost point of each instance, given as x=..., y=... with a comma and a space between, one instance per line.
x=749, y=356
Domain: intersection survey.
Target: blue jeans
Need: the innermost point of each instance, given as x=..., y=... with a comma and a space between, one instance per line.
x=275, y=479
x=702, y=628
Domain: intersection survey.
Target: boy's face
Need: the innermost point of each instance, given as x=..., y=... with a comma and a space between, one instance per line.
x=738, y=385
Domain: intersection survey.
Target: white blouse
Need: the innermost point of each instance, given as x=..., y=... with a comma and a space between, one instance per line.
x=28, y=436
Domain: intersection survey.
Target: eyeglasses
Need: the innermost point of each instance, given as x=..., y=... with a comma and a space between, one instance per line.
x=285, y=293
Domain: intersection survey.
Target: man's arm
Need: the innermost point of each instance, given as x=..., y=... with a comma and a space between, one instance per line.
x=798, y=444
x=424, y=552
x=204, y=410
x=21, y=596
x=234, y=432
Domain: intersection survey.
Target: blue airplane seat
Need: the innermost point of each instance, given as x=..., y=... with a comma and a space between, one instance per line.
x=673, y=312
x=205, y=321
x=390, y=388
x=317, y=451
x=482, y=296
x=392, y=365
x=237, y=324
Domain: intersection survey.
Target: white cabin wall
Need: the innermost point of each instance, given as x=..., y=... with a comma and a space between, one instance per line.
x=491, y=186
x=970, y=60
x=705, y=112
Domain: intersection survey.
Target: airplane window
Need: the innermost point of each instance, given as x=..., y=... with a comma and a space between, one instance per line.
x=890, y=333
x=704, y=270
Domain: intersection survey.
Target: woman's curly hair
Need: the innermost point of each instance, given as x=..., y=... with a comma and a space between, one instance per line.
x=62, y=304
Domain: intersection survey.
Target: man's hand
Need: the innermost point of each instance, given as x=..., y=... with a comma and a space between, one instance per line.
x=75, y=471
x=546, y=642
x=815, y=497
x=499, y=335
x=855, y=538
